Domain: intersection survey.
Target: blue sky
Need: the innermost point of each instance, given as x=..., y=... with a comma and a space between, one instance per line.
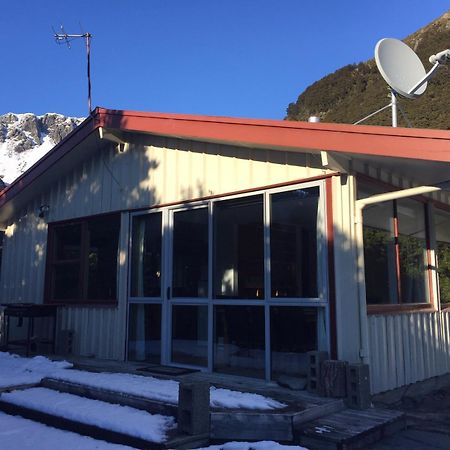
x=240, y=58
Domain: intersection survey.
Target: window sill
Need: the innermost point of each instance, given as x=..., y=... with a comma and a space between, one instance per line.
x=105, y=304
x=400, y=309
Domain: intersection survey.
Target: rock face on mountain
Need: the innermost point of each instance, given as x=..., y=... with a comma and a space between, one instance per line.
x=25, y=138
x=25, y=131
x=356, y=90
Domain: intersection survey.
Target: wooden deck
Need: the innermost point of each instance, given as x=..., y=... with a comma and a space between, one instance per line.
x=349, y=429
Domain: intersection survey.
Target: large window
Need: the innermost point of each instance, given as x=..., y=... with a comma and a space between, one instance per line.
x=442, y=227
x=237, y=283
x=395, y=250
x=82, y=260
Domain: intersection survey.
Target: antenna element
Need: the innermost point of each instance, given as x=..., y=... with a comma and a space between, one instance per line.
x=64, y=38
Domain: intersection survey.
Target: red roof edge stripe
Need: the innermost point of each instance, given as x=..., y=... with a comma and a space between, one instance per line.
x=421, y=144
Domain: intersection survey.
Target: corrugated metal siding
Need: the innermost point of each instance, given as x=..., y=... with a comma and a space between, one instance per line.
x=96, y=331
x=23, y=259
x=406, y=348
x=154, y=170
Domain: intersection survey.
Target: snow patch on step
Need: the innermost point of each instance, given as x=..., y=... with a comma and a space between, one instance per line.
x=122, y=419
x=17, y=433
x=165, y=390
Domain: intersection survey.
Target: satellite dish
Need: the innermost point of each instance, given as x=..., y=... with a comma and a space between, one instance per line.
x=403, y=72
x=400, y=67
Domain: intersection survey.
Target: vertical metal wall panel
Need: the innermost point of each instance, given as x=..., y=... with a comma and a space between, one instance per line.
x=408, y=347
x=95, y=330
x=347, y=312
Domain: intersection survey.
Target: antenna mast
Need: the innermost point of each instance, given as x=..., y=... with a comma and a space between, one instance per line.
x=63, y=37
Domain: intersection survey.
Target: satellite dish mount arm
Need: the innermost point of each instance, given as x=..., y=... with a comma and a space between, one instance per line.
x=427, y=77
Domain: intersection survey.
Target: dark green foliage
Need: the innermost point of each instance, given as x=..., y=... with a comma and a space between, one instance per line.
x=443, y=252
x=356, y=90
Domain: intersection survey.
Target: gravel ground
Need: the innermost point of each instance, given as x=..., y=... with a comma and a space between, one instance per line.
x=428, y=418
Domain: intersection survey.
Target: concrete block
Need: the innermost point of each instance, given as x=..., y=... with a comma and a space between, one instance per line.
x=358, y=386
x=315, y=359
x=193, y=408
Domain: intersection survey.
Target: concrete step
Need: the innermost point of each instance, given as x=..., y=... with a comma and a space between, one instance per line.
x=349, y=429
x=99, y=420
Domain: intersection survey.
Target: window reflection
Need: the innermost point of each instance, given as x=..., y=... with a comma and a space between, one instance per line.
x=239, y=340
x=442, y=226
x=293, y=243
x=293, y=332
x=146, y=256
x=412, y=246
x=395, y=250
x=239, y=248
x=190, y=253
x=190, y=335
x=380, y=254
x=144, y=333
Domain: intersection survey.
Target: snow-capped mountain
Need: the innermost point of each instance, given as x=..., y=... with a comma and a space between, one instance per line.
x=25, y=138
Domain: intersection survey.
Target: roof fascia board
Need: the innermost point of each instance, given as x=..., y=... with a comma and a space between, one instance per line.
x=428, y=145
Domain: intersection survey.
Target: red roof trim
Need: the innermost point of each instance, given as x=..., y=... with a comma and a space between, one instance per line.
x=421, y=144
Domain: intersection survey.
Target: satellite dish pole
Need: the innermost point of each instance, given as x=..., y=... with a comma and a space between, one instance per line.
x=62, y=38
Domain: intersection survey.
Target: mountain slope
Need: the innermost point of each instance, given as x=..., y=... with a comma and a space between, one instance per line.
x=357, y=90
x=25, y=138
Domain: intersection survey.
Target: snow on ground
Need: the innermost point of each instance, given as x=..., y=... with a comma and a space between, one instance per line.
x=165, y=390
x=17, y=433
x=122, y=419
x=15, y=370
x=262, y=445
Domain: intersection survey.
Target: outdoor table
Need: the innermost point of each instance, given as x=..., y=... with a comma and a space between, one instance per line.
x=29, y=311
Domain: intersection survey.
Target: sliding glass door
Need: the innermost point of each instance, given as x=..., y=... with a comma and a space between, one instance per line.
x=235, y=285
x=146, y=287
x=189, y=286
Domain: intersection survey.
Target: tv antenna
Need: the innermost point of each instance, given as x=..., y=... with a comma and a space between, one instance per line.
x=403, y=71
x=65, y=38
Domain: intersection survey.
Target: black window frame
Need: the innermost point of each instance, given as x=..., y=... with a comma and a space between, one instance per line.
x=81, y=262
